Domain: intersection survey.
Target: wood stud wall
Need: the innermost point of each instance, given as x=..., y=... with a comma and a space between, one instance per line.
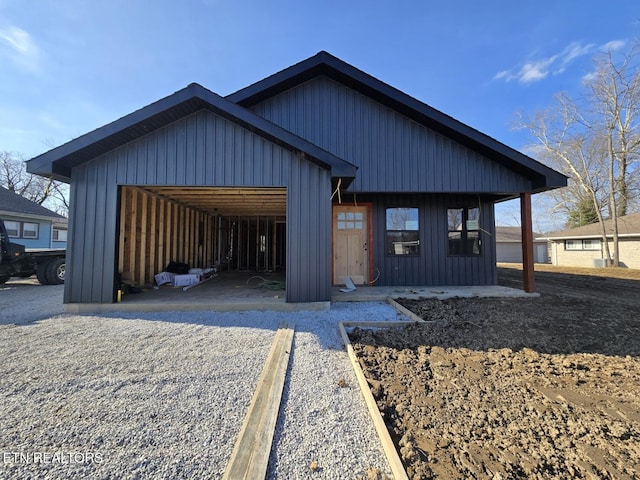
x=155, y=230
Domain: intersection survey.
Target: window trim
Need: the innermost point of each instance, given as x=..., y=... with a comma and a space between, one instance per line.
x=37, y=231
x=59, y=231
x=20, y=229
x=19, y=225
x=580, y=245
x=410, y=232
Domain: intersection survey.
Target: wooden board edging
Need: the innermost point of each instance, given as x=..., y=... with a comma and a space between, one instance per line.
x=406, y=311
x=397, y=468
x=250, y=456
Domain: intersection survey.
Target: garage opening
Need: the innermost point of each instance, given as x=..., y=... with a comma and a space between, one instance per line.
x=238, y=231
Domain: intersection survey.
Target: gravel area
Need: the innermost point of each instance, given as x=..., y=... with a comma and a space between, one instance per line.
x=163, y=395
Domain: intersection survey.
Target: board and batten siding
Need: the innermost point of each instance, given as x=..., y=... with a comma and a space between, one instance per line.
x=393, y=152
x=433, y=266
x=202, y=149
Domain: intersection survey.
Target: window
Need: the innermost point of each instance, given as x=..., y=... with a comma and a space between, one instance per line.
x=591, y=244
x=350, y=221
x=582, y=244
x=403, y=235
x=30, y=230
x=464, y=231
x=13, y=229
x=59, y=235
x=572, y=245
x=22, y=229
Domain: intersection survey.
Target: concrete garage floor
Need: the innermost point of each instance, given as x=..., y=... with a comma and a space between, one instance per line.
x=237, y=291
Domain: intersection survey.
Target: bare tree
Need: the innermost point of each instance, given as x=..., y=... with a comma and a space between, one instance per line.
x=43, y=191
x=595, y=140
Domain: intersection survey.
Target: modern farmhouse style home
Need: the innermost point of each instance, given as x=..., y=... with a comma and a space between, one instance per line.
x=320, y=170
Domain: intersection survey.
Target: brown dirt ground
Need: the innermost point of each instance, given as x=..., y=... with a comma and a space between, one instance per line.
x=544, y=387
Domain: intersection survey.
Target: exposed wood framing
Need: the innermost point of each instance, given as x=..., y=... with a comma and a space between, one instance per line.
x=228, y=201
x=155, y=229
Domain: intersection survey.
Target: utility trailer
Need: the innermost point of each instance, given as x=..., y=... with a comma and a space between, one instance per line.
x=16, y=261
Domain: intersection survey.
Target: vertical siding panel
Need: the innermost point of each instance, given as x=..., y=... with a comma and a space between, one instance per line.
x=172, y=160
x=206, y=148
x=110, y=225
x=362, y=131
x=151, y=157
x=161, y=159
x=75, y=241
x=98, y=199
x=88, y=255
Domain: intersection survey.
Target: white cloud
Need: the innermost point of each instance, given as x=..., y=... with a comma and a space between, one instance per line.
x=589, y=77
x=540, y=68
x=574, y=51
x=534, y=71
x=20, y=47
x=613, y=45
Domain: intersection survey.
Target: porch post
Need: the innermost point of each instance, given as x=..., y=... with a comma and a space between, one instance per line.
x=527, y=243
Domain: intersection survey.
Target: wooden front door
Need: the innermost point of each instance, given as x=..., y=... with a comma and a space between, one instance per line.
x=351, y=243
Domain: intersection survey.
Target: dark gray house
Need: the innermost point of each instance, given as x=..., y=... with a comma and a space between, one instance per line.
x=319, y=169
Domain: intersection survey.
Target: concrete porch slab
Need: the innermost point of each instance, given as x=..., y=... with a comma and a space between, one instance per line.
x=372, y=294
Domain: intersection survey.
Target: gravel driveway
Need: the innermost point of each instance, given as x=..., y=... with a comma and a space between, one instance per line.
x=163, y=395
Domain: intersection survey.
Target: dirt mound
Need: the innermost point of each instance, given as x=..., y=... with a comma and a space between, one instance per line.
x=543, y=387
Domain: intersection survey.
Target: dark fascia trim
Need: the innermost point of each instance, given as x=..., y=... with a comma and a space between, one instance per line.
x=323, y=63
x=58, y=162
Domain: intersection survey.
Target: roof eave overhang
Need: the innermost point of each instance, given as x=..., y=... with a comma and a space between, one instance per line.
x=59, y=162
x=32, y=216
x=594, y=236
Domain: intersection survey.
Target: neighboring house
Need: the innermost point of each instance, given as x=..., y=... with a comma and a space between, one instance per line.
x=320, y=169
x=584, y=247
x=509, y=246
x=30, y=224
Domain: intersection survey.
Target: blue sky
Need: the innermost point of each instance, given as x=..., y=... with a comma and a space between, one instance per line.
x=70, y=66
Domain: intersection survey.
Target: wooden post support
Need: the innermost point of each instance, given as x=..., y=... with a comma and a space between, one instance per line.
x=527, y=243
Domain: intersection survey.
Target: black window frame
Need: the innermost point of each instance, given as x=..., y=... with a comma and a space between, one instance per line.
x=467, y=240
x=405, y=235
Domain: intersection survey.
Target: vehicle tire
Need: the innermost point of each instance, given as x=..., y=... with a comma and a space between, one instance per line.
x=55, y=271
x=41, y=272
x=4, y=279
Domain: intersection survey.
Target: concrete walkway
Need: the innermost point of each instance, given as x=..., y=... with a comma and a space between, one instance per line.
x=371, y=294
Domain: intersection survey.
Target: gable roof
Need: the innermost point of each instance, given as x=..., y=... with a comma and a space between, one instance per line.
x=58, y=162
x=13, y=204
x=628, y=226
x=511, y=235
x=324, y=64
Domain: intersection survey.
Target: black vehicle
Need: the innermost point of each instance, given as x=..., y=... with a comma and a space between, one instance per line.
x=15, y=261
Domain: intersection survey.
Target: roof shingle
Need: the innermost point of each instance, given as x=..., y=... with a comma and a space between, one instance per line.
x=627, y=225
x=11, y=202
